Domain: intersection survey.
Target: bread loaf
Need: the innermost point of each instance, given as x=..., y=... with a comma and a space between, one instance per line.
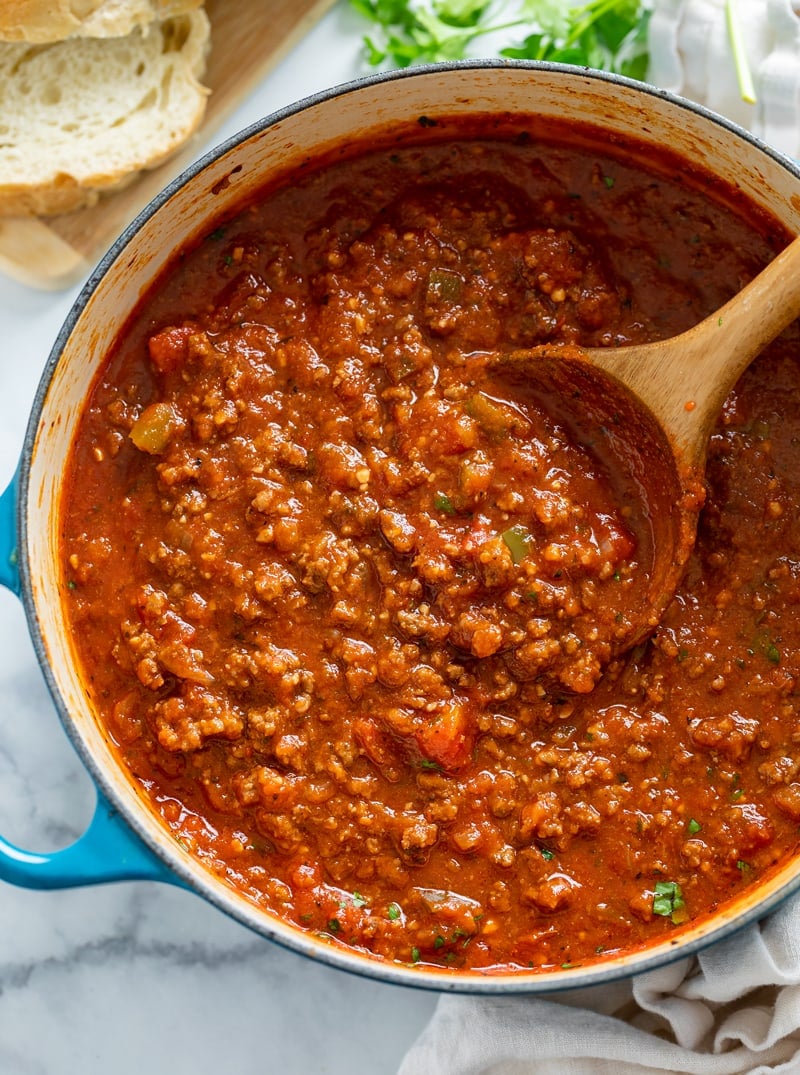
x=43, y=21
x=84, y=115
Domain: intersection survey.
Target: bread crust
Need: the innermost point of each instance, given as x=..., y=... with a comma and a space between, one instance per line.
x=41, y=22
x=67, y=179
x=55, y=199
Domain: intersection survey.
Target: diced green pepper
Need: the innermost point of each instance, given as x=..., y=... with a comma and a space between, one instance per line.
x=517, y=540
x=490, y=416
x=445, y=285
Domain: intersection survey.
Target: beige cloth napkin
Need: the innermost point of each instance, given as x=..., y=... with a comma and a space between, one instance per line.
x=732, y=1010
x=691, y=54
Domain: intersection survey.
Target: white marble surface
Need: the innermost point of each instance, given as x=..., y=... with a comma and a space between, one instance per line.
x=141, y=977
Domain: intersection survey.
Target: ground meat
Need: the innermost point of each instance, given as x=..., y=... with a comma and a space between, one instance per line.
x=346, y=593
x=187, y=721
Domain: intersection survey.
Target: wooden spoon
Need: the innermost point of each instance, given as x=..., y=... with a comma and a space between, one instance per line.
x=656, y=405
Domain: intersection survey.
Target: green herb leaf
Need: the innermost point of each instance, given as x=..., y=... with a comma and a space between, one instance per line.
x=764, y=644
x=668, y=901
x=443, y=503
x=694, y=827
x=393, y=912
x=608, y=34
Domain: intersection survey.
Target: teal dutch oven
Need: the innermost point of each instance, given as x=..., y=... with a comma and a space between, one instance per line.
x=125, y=840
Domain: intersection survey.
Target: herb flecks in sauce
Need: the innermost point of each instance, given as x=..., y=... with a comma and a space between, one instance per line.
x=331, y=601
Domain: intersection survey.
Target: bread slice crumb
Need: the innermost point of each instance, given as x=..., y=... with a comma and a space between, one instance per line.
x=44, y=21
x=84, y=115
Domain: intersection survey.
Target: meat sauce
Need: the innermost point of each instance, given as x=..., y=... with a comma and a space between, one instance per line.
x=346, y=599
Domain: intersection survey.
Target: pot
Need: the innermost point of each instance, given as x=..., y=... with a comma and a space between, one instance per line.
x=125, y=840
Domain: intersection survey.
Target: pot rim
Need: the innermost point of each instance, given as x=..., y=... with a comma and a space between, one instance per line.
x=264, y=923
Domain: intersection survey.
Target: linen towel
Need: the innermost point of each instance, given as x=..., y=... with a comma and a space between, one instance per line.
x=691, y=54
x=734, y=1009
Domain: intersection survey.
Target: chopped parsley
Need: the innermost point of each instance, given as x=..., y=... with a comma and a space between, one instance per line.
x=668, y=901
x=768, y=647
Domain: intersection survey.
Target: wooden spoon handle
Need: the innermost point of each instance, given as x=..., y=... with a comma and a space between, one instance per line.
x=685, y=380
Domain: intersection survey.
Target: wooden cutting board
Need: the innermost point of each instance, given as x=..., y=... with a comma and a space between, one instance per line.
x=248, y=38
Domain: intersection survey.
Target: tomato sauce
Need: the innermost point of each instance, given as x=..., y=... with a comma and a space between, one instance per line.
x=346, y=598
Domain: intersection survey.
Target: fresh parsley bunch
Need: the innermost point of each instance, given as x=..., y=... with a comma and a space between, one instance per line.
x=606, y=34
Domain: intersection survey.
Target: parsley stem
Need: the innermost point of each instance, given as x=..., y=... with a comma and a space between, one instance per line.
x=746, y=87
x=587, y=15
x=478, y=31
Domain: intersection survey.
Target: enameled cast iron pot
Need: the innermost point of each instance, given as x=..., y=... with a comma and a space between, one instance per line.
x=125, y=839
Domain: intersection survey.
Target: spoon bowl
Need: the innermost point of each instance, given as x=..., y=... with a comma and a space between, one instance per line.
x=652, y=407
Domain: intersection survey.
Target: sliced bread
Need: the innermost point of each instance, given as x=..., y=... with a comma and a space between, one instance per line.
x=42, y=21
x=84, y=115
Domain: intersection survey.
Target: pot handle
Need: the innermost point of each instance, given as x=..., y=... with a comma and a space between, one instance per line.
x=109, y=850
x=9, y=571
